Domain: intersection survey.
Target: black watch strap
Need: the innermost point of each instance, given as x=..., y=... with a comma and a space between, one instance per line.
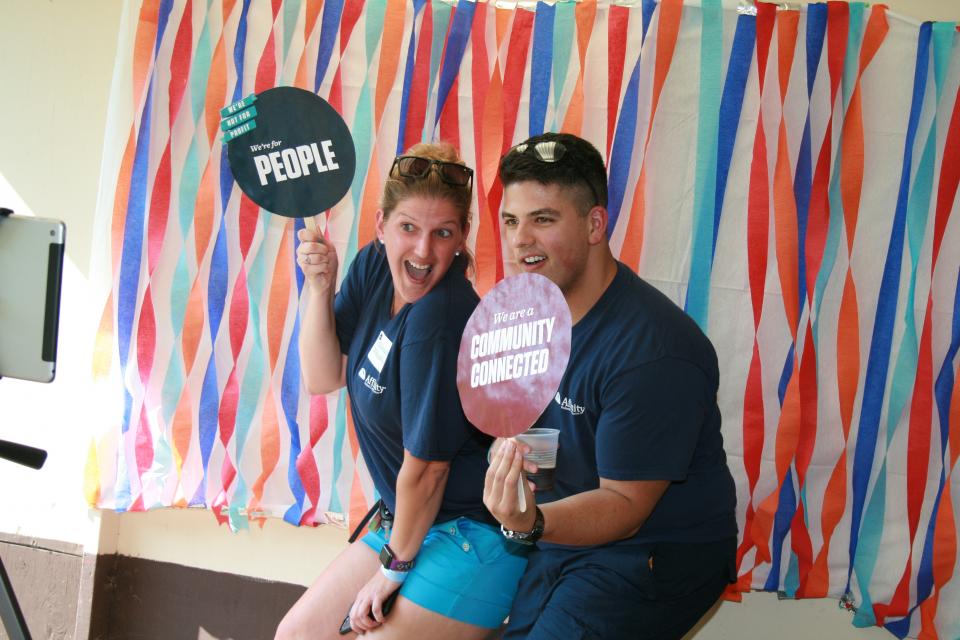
x=526, y=537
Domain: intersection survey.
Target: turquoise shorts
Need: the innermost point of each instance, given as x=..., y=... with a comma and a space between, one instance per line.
x=465, y=570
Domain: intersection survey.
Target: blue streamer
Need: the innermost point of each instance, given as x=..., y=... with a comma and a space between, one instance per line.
x=408, y=75
x=129, y=278
x=622, y=150
x=456, y=45
x=738, y=69
x=163, y=18
x=647, y=7
x=878, y=360
x=943, y=386
x=781, y=525
x=621, y=153
x=207, y=429
x=130, y=256
x=290, y=396
x=329, y=25
x=541, y=65
x=803, y=179
x=290, y=400
x=787, y=504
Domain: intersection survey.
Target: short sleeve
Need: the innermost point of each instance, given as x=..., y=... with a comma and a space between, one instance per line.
x=651, y=419
x=434, y=427
x=346, y=304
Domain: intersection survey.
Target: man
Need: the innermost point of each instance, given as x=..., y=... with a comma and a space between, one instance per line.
x=637, y=538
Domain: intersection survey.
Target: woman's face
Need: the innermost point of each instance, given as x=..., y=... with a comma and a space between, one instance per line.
x=421, y=238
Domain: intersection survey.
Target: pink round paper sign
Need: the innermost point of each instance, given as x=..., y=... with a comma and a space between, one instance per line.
x=513, y=354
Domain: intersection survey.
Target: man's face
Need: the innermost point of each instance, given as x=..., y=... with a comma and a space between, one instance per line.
x=545, y=231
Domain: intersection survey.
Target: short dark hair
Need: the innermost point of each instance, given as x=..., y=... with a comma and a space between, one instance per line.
x=580, y=165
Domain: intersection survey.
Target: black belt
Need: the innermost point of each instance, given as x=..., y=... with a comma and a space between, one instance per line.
x=384, y=519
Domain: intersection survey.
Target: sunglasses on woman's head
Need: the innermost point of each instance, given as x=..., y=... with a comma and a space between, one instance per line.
x=452, y=173
x=549, y=152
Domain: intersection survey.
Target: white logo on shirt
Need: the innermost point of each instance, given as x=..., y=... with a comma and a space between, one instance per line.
x=379, y=352
x=569, y=405
x=370, y=382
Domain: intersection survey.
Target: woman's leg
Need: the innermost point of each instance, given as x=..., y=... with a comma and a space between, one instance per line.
x=408, y=620
x=320, y=610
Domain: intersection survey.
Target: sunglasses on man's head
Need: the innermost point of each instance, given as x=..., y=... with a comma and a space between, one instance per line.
x=452, y=173
x=548, y=152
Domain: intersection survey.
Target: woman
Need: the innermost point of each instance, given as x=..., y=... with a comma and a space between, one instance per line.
x=392, y=335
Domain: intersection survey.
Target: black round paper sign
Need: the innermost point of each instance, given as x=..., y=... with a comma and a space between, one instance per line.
x=299, y=160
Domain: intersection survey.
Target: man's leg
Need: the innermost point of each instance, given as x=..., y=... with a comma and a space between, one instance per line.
x=655, y=592
x=533, y=593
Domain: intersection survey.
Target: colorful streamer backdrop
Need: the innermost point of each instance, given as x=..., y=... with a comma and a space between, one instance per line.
x=789, y=177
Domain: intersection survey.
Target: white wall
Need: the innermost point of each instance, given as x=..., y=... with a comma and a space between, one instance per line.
x=56, y=63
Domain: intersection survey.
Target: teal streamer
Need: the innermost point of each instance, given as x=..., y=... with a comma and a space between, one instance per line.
x=441, y=21
x=905, y=368
x=868, y=547
x=791, y=580
x=339, y=436
x=175, y=376
x=835, y=222
x=705, y=180
x=851, y=65
x=291, y=12
x=564, y=37
x=200, y=70
x=362, y=128
x=374, y=26
x=362, y=142
x=252, y=386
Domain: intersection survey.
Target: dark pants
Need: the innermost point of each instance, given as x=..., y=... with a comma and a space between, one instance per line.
x=651, y=592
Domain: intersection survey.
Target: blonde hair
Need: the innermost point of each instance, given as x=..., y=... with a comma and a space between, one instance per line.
x=398, y=188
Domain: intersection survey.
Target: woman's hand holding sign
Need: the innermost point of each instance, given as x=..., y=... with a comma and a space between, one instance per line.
x=318, y=261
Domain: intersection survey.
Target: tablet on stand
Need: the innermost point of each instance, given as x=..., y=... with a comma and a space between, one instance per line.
x=31, y=268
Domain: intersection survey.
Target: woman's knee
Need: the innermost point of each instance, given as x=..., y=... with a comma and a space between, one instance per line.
x=286, y=630
x=303, y=620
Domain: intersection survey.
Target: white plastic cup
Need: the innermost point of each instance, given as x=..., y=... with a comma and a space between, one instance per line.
x=543, y=443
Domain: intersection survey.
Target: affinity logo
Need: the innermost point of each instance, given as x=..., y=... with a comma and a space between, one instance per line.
x=370, y=382
x=569, y=405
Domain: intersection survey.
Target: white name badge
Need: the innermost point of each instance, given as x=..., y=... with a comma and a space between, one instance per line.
x=381, y=349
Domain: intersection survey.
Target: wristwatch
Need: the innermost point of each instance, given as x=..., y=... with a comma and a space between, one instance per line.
x=389, y=560
x=526, y=537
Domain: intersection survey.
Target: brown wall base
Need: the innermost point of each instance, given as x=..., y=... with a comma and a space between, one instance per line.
x=145, y=599
x=66, y=596
x=45, y=576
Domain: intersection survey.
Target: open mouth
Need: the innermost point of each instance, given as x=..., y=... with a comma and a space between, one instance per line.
x=532, y=261
x=417, y=272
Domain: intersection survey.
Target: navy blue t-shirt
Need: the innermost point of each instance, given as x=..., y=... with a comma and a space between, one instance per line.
x=638, y=401
x=402, y=380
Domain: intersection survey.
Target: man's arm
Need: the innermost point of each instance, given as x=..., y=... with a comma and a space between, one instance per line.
x=614, y=511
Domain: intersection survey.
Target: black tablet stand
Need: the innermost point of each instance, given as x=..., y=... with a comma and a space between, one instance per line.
x=10, y=611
